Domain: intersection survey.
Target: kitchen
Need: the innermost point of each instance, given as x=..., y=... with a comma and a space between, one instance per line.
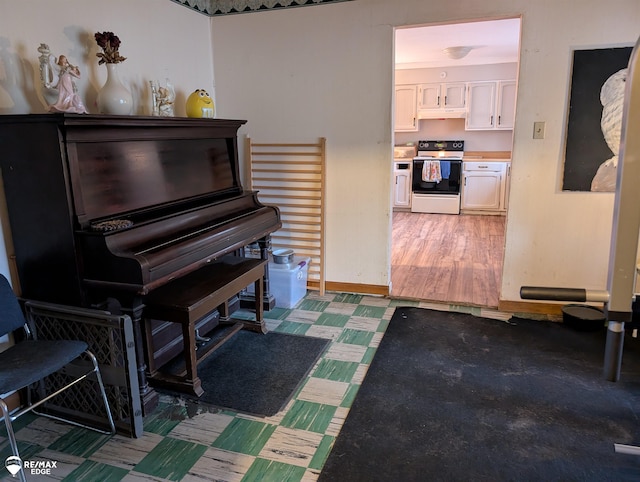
x=455, y=96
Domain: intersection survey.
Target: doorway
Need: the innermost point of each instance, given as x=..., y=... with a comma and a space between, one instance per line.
x=442, y=257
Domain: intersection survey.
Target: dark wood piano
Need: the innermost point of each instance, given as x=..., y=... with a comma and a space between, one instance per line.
x=105, y=210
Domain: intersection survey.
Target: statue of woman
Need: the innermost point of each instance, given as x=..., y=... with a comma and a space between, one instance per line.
x=68, y=98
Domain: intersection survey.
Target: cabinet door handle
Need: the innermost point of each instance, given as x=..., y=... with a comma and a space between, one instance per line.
x=445, y=100
x=491, y=122
x=438, y=100
x=499, y=120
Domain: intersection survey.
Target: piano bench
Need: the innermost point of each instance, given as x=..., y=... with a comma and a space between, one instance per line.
x=194, y=296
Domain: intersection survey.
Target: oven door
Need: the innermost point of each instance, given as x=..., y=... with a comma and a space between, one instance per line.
x=450, y=171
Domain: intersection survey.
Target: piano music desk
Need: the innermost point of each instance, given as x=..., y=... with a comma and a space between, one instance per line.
x=186, y=300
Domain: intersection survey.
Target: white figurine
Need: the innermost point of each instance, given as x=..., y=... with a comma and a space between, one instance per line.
x=47, y=75
x=163, y=99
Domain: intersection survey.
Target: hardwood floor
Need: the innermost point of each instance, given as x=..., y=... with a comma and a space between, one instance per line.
x=447, y=258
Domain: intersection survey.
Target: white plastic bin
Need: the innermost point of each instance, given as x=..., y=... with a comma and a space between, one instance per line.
x=287, y=282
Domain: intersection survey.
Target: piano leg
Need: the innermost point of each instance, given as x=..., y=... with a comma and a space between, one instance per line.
x=265, y=247
x=269, y=302
x=149, y=398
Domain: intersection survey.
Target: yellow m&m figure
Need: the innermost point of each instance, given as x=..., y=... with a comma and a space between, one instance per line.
x=200, y=104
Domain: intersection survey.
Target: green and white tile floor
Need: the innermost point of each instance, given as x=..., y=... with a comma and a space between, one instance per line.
x=221, y=445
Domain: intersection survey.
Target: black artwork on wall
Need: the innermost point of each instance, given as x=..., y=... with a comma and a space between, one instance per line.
x=586, y=148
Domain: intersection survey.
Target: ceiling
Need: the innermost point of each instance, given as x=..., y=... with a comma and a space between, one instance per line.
x=492, y=42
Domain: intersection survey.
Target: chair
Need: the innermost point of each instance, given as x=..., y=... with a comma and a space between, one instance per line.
x=31, y=360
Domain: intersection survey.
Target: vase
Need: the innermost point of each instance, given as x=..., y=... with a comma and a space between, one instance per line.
x=114, y=98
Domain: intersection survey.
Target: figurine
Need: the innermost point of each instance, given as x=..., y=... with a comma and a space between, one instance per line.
x=199, y=104
x=47, y=75
x=163, y=99
x=68, y=98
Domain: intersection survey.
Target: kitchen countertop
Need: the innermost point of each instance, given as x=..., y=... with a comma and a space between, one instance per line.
x=502, y=156
x=498, y=156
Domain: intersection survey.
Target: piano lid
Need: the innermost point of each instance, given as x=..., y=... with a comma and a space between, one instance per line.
x=118, y=167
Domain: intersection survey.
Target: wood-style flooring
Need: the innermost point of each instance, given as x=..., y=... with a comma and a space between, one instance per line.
x=447, y=258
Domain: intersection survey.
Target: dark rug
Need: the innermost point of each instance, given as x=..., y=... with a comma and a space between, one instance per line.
x=257, y=373
x=452, y=397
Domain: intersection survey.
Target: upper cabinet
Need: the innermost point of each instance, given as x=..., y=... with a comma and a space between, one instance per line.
x=491, y=105
x=506, y=107
x=405, y=108
x=486, y=105
x=438, y=100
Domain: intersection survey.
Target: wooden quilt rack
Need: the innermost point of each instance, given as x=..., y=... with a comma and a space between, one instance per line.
x=292, y=177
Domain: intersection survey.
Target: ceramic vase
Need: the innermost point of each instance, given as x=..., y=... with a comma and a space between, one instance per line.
x=114, y=98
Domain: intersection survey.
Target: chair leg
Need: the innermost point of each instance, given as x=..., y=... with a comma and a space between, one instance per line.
x=12, y=437
x=105, y=399
x=96, y=370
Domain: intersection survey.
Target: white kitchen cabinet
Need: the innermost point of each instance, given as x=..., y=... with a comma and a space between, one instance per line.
x=435, y=100
x=402, y=184
x=483, y=186
x=506, y=104
x=405, y=108
x=491, y=105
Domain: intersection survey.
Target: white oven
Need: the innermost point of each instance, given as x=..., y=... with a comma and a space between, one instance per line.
x=436, y=177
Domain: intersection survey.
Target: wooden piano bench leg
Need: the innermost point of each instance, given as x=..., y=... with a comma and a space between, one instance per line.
x=224, y=312
x=258, y=325
x=191, y=361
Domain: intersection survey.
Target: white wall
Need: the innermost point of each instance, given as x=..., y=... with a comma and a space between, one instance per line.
x=327, y=71
x=321, y=71
x=160, y=39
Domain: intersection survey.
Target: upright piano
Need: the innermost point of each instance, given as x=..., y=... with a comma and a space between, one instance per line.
x=103, y=210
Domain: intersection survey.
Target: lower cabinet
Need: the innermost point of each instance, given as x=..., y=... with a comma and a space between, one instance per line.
x=483, y=186
x=402, y=184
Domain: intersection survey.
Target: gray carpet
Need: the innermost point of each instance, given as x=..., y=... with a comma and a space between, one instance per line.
x=257, y=373
x=452, y=397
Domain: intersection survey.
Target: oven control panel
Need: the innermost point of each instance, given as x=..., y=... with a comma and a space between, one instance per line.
x=441, y=145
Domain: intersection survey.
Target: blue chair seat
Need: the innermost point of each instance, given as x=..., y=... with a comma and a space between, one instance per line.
x=31, y=361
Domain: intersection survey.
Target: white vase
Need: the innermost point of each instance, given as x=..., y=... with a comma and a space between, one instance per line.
x=114, y=98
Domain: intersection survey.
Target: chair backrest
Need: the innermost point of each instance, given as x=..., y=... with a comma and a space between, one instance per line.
x=11, y=317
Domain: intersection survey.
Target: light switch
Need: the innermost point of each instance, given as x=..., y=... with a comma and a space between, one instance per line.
x=538, y=130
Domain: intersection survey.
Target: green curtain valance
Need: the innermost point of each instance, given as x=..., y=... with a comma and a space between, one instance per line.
x=228, y=7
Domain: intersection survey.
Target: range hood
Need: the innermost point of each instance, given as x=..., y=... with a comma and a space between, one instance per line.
x=459, y=113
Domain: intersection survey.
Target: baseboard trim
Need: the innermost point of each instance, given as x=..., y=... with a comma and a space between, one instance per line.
x=530, y=307
x=379, y=290
x=361, y=289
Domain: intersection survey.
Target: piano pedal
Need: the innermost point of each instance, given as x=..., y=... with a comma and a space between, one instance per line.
x=201, y=340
